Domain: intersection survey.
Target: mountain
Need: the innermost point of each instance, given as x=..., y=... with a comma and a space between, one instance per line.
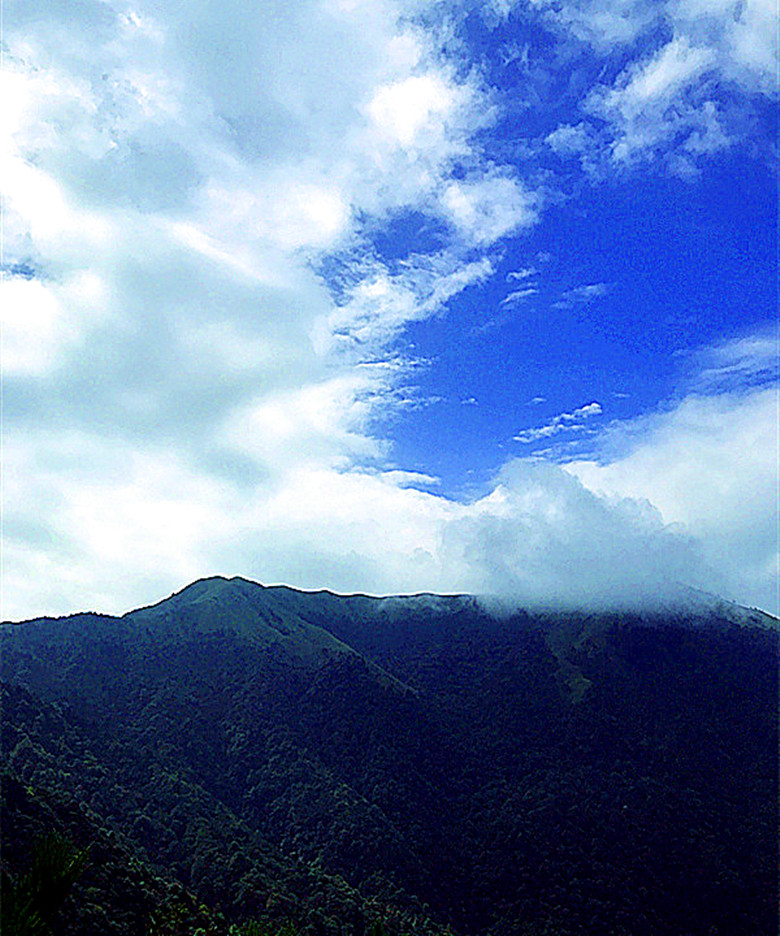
x=239, y=752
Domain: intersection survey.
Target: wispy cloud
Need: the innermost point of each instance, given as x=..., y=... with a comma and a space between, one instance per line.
x=519, y=295
x=523, y=274
x=669, y=104
x=563, y=422
x=638, y=106
x=752, y=360
x=528, y=287
x=582, y=295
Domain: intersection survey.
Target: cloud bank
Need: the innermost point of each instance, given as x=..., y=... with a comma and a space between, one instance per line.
x=710, y=467
x=686, y=502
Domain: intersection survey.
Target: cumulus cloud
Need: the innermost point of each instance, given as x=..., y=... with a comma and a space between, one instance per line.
x=541, y=538
x=710, y=466
x=619, y=534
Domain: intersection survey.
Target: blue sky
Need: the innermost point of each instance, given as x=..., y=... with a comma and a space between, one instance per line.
x=389, y=297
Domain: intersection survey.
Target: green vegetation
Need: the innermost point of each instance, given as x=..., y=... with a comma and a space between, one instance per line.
x=29, y=905
x=410, y=761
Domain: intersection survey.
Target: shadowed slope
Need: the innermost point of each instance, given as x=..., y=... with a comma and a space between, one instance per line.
x=337, y=758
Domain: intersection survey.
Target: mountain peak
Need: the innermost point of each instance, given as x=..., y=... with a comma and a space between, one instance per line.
x=263, y=615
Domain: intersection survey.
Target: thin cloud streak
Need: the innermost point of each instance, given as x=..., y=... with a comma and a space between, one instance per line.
x=563, y=422
x=582, y=295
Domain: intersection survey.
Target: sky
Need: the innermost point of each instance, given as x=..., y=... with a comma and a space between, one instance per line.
x=389, y=297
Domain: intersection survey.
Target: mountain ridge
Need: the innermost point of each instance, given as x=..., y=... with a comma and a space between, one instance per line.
x=690, y=601
x=334, y=760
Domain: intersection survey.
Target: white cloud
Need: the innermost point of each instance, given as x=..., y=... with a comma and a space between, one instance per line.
x=330, y=111
x=673, y=68
x=166, y=212
x=563, y=422
x=520, y=275
x=675, y=103
x=582, y=295
x=638, y=106
x=541, y=538
x=741, y=34
x=601, y=24
x=279, y=209
x=583, y=412
x=519, y=295
x=749, y=361
x=323, y=423
x=421, y=104
x=43, y=321
x=157, y=522
x=709, y=465
x=128, y=522
x=413, y=478
x=568, y=139
x=488, y=208
x=381, y=302
x=31, y=319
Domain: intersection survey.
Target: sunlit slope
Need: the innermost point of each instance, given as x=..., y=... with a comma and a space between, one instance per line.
x=267, y=618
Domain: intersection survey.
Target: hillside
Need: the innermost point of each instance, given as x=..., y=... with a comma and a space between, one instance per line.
x=238, y=752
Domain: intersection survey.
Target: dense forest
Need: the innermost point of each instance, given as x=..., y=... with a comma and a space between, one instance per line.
x=241, y=759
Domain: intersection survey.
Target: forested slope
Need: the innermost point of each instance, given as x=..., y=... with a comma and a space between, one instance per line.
x=238, y=752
